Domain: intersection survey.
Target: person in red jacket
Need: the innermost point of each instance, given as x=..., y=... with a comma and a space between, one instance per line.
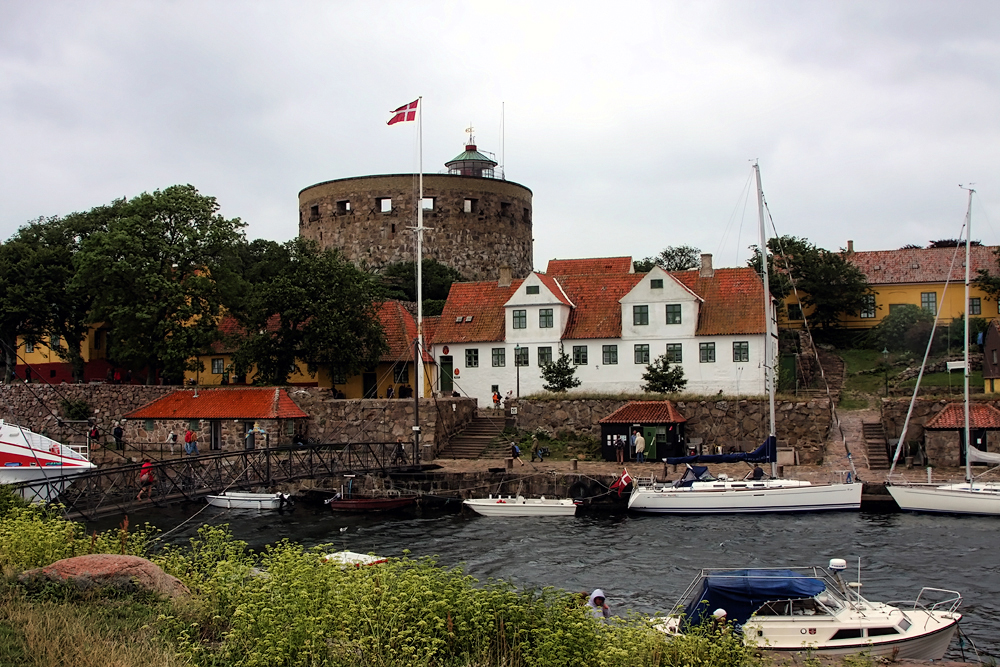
x=146, y=480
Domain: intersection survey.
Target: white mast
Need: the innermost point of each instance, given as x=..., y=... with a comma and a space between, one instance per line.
x=968, y=266
x=419, y=358
x=769, y=335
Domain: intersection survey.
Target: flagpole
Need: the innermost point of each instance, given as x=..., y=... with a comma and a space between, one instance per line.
x=420, y=252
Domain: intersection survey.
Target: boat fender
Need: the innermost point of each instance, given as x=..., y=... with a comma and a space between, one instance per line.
x=579, y=490
x=597, y=489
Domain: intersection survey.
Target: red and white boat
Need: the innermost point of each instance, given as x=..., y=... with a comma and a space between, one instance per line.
x=47, y=465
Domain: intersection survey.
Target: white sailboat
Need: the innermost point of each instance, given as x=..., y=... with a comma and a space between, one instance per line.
x=699, y=493
x=970, y=496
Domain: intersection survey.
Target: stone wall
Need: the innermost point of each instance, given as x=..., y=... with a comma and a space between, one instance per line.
x=941, y=447
x=38, y=407
x=497, y=233
x=803, y=425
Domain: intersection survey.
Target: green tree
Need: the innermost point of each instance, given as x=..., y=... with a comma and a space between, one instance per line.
x=307, y=305
x=400, y=282
x=671, y=258
x=905, y=328
x=559, y=375
x=151, y=267
x=828, y=285
x=662, y=378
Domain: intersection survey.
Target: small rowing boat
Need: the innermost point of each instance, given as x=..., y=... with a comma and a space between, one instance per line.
x=521, y=506
x=249, y=501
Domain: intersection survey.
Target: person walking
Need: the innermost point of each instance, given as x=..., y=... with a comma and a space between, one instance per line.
x=515, y=453
x=171, y=440
x=119, y=434
x=640, y=448
x=146, y=480
x=496, y=400
x=536, y=450
x=190, y=443
x=619, y=449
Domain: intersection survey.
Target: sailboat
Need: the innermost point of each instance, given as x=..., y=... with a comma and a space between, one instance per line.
x=970, y=496
x=697, y=492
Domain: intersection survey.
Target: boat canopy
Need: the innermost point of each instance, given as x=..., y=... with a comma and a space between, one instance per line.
x=978, y=456
x=694, y=474
x=742, y=592
x=766, y=453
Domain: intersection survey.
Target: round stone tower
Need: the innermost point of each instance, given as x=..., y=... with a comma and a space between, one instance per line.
x=475, y=222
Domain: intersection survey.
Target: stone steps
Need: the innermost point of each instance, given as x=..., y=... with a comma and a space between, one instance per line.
x=875, y=443
x=474, y=440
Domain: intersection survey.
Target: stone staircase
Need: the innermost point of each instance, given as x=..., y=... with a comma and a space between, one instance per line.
x=875, y=443
x=475, y=440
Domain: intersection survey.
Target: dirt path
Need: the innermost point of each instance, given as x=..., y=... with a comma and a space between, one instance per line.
x=850, y=422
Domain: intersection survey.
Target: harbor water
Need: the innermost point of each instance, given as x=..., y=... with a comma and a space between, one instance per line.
x=645, y=562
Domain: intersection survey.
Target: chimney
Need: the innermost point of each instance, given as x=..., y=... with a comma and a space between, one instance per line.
x=706, y=270
x=850, y=246
x=505, y=277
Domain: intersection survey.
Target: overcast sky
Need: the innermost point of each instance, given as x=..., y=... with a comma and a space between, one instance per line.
x=633, y=123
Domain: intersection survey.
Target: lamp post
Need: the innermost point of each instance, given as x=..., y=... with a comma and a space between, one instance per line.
x=885, y=369
x=517, y=367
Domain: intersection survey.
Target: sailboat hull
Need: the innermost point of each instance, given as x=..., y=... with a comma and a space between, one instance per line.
x=739, y=501
x=982, y=499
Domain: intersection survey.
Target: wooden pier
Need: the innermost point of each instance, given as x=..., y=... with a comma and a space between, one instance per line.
x=113, y=489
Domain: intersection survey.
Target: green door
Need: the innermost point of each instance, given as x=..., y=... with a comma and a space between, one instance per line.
x=649, y=435
x=446, y=366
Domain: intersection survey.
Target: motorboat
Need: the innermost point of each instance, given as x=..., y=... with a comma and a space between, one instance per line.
x=970, y=496
x=40, y=466
x=358, y=503
x=815, y=610
x=699, y=493
x=521, y=506
x=239, y=500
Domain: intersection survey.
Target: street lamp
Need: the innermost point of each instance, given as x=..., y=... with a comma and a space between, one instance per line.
x=517, y=367
x=885, y=369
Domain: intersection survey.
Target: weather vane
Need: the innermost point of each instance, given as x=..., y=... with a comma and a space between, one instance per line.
x=470, y=130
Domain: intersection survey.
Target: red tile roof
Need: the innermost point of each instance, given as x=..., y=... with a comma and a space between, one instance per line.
x=645, y=412
x=400, y=329
x=232, y=403
x=598, y=313
x=733, y=301
x=921, y=265
x=553, y=285
x=576, y=267
x=483, y=302
x=981, y=415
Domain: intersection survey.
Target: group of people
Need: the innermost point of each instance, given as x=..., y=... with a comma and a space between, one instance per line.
x=636, y=441
x=537, y=451
x=499, y=402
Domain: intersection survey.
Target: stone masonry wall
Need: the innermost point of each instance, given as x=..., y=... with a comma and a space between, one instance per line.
x=941, y=447
x=39, y=408
x=803, y=425
x=497, y=233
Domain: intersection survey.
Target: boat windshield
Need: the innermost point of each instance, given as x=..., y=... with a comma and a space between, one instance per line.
x=821, y=605
x=694, y=474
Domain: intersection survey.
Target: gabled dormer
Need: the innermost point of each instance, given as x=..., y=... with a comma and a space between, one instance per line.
x=659, y=304
x=538, y=310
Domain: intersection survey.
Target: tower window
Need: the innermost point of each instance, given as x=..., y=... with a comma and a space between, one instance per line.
x=471, y=206
x=385, y=205
x=344, y=206
x=314, y=212
x=505, y=208
x=427, y=203
x=527, y=214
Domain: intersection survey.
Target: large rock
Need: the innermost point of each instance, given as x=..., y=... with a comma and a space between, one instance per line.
x=125, y=573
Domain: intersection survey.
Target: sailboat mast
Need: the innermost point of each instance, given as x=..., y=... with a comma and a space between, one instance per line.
x=968, y=266
x=418, y=360
x=769, y=335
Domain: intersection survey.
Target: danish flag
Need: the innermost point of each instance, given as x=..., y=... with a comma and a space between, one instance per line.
x=621, y=482
x=404, y=113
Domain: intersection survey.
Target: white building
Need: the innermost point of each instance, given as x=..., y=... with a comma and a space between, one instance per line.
x=610, y=321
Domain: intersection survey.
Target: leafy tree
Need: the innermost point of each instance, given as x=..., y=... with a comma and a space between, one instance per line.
x=951, y=243
x=36, y=269
x=661, y=378
x=827, y=283
x=905, y=328
x=151, y=268
x=989, y=282
x=671, y=258
x=559, y=375
x=303, y=304
x=400, y=282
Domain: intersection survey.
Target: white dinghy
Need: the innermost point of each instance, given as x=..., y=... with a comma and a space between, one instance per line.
x=521, y=506
x=815, y=610
x=249, y=501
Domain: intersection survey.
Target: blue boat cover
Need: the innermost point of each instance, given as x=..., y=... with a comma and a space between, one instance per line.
x=766, y=453
x=742, y=592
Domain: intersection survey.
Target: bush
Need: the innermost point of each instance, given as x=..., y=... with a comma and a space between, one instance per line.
x=75, y=409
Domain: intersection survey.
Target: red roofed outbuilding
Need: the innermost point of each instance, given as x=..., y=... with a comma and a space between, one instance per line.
x=944, y=433
x=661, y=425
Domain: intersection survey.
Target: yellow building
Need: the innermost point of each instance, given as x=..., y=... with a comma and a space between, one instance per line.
x=916, y=277
x=395, y=370
x=39, y=361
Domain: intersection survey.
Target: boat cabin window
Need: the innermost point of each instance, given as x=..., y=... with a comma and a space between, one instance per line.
x=904, y=625
x=882, y=632
x=805, y=607
x=847, y=633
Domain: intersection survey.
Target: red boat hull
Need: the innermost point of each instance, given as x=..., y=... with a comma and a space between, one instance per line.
x=371, y=504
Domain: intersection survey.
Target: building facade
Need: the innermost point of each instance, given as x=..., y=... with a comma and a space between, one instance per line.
x=496, y=336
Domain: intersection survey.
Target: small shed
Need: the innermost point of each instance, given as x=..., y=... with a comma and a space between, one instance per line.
x=661, y=425
x=944, y=433
x=223, y=419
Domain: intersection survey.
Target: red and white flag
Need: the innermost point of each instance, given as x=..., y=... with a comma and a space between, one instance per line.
x=404, y=113
x=622, y=482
